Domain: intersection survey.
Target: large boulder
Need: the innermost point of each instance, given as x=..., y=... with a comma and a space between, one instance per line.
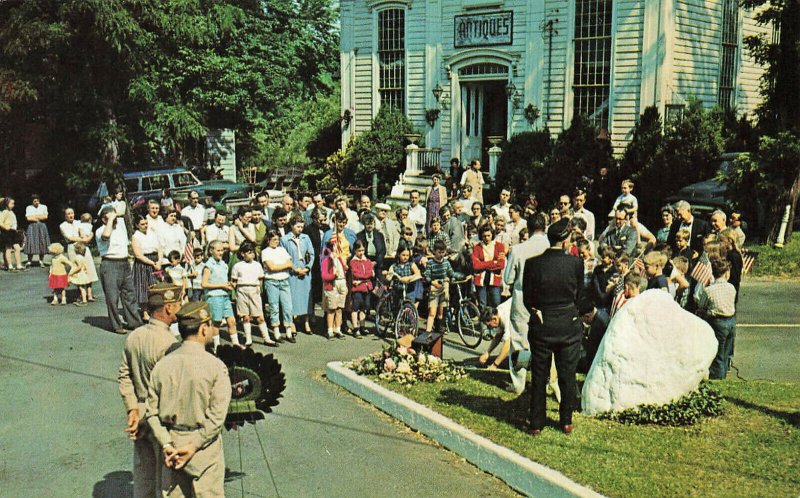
x=653, y=352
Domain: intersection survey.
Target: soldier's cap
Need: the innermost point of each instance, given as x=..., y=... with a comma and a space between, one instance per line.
x=558, y=231
x=162, y=293
x=194, y=314
x=383, y=206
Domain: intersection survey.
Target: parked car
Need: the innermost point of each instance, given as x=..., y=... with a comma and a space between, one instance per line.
x=708, y=195
x=141, y=186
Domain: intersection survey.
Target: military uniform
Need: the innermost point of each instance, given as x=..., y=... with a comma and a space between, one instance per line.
x=143, y=348
x=187, y=403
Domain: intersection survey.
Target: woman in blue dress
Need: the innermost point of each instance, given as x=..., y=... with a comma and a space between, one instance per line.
x=300, y=248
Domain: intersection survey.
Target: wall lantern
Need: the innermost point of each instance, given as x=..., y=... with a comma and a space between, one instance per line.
x=437, y=92
x=510, y=89
x=674, y=113
x=445, y=102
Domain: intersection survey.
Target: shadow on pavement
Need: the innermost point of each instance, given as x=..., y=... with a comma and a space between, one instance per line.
x=58, y=369
x=791, y=418
x=98, y=322
x=117, y=484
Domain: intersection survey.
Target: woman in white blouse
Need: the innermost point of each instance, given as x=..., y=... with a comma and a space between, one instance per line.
x=171, y=235
x=147, y=260
x=70, y=230
x=38, y=237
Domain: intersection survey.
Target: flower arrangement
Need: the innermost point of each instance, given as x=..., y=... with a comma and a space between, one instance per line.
x=405, y=366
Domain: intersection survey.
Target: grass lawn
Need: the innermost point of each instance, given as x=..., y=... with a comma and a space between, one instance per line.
x=779, y=263
x=752, y=450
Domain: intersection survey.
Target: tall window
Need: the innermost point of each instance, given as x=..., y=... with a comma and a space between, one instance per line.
x=730, y=39
x=591, y=85
x=392, y=57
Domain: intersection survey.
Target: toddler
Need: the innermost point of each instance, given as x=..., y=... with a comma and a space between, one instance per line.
x=59, y=279
x=176, y=272
x=196, y=274
x=79, y=275
x=626, y=197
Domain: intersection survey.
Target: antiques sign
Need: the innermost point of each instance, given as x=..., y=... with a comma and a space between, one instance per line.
x=477, y=30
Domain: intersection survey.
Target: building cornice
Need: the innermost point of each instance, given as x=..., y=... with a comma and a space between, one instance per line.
x=387, y=4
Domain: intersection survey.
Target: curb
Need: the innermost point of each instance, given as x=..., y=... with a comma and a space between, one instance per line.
x=522, y=474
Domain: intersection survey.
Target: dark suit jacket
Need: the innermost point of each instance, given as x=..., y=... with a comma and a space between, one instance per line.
x=316, y=276
x=553, y=284
x=700, y=230
x=380, y=248
x=625, y=240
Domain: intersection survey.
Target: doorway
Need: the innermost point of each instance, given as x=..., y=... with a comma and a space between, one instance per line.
x=484, y=113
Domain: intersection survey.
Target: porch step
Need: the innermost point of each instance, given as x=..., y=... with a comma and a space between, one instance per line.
x=411, y=182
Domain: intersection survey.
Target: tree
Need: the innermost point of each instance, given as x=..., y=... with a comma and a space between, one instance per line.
x=522, y=161
x=645, y=145
x=380, y=150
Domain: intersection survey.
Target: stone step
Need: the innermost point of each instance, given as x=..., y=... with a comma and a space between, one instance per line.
x=411, y=182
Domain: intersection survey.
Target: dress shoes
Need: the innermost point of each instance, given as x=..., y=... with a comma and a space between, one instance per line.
x=567, y=429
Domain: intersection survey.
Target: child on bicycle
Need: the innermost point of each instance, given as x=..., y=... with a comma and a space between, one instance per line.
x=405, y=271
x=437, y=271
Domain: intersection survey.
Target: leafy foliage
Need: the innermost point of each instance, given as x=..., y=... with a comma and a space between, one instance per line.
x=687, y=410
x=381, y=150
x=522, y=160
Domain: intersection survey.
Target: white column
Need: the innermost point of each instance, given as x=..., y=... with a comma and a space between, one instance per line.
x=412, y=159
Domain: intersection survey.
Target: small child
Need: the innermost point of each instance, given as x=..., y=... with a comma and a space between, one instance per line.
x=277, y=268
x=404, y=270
x=86, y=229
x=59, y=279
x=437, y=271
x=86, y=226
x=633, y=286
x=654, y=262
x=196, y=274
x=334, y=288
x=626, y=197
x=717, y=302
x=217, y=289
x=362, y=271
x=682, y=244
x=176, y=272
x=437, y=233
x=79, y=275
x=586, y=253
x=421, y=256
x=248, y=277
x=678, y=283
x=616, y=284
x=601, y=276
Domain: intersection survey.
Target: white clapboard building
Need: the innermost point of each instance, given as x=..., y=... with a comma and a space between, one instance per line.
x=483, y=63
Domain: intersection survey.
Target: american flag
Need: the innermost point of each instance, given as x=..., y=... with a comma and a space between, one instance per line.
x=188, y=253
x=749, y=260
x=702, y=272
x=619, y=302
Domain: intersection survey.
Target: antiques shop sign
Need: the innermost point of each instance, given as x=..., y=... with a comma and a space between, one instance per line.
x=478, y=30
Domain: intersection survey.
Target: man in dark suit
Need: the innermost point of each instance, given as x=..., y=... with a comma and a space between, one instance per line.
x=699, y=229
x=315, y=230
x=374, y=242
x=622, y=236
x=553, y=286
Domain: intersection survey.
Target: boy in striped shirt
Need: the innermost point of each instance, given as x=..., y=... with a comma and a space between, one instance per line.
x=437, y=270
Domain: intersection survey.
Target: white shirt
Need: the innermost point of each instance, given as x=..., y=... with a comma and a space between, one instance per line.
x=148, y=242
x=85, y=229
x=154, y=224
x=466, y=204
x=513, y=229
x=39, y=210
x=116, y=246
x=70, y=231
x=213, y=232
x=196, y=214
x=276, y=256
x=512, y=276
x=417, y=214
x=502, y=211
x=171, y=238
x=247, y=273
x=589, y=217
x=119, y=207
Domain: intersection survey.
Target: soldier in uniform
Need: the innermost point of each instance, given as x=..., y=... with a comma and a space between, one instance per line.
x=143, y=348
x=553, y=285
x=186, y=407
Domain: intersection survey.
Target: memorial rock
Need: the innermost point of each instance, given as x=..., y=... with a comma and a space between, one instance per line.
x=653, y=352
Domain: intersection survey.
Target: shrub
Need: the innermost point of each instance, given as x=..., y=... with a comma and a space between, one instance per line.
x=522, y=161
x=686, y=410
x=381, y=150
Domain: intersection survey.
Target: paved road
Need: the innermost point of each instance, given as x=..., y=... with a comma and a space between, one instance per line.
x=61, y=431
x=62, y=418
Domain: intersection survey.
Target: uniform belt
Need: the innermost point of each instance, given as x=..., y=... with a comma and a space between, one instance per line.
x=557, y=308
x=184, y=428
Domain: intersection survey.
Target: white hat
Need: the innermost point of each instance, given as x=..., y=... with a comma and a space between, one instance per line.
x=383, y=206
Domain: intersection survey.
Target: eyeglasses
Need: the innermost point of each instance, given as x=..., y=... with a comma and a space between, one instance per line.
x=194, y=198
x=563, y=203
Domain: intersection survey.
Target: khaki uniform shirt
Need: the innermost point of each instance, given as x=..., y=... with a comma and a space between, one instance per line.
x=143, y=348
x=188, y=397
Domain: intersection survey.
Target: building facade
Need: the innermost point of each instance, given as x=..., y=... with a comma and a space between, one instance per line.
x=488, y=66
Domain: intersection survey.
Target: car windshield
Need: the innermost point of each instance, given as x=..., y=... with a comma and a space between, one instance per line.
x=132, y=185
x=156, y=182
x=185, y=180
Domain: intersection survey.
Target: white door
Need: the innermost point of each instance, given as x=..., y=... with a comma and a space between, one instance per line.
x=472, y=99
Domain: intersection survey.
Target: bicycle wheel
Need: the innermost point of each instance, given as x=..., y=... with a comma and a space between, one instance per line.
x=406, y=322
x=384, y=315
x=469, y=324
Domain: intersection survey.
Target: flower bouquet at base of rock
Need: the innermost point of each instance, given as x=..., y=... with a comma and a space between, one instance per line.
x=403, y=365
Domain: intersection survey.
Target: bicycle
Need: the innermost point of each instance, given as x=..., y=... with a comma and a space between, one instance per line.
x=393, y=315
x=464, y=316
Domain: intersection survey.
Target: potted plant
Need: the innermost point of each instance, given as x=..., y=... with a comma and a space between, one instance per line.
x=532, y=114
x=431, y=115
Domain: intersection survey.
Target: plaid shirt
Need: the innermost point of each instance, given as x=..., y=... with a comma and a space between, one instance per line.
x=718, y=299
x=441, y=235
